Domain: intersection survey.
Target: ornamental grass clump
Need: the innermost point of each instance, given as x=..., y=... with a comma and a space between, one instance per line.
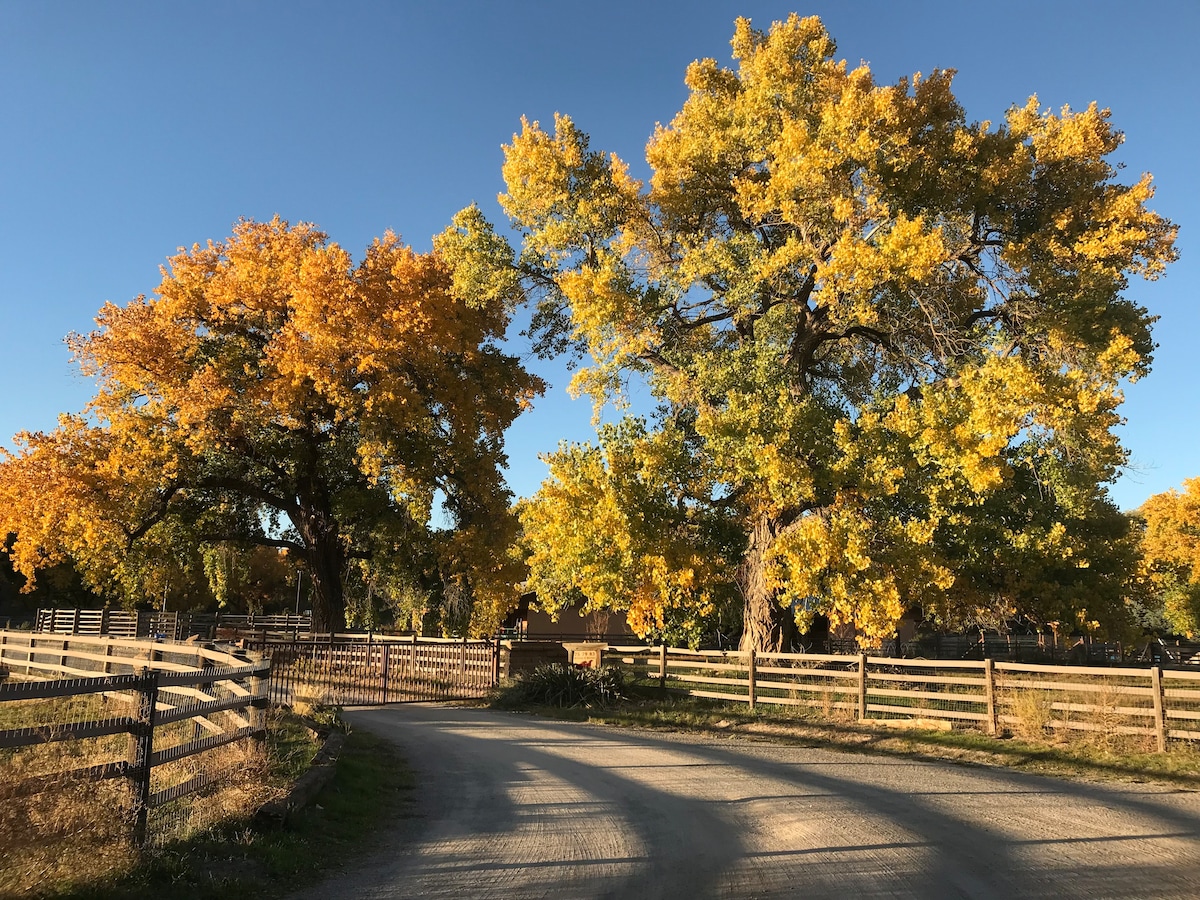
x=564, y=686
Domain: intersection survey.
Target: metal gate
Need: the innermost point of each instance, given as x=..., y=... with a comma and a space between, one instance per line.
x=367, y=673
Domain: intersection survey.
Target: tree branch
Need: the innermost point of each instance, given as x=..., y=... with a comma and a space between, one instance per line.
x=253, y=491
x=257, y=540
x=160, y=513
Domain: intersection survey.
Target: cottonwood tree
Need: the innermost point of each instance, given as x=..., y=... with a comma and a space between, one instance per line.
x=272, y=392
x=1171, y=554
x=865, y=319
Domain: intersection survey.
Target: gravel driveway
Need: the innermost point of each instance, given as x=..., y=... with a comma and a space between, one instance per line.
x=509, y=806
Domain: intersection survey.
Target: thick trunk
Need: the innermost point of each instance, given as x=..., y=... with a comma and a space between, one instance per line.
x=328, y=601
x=767, y=626
x=326, y=559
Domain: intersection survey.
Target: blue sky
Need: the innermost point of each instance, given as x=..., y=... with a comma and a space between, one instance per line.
x=129, y=129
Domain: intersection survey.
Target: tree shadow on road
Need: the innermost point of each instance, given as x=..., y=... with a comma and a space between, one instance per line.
x=494, y=781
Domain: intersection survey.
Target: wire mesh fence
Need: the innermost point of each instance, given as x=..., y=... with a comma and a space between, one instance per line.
x=951, y=690
x=168, y=735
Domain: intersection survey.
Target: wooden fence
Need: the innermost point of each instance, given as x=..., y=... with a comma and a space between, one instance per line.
x=123, y=623
x=1159, y=704
x=276, y=622
x=350, y=671
x=218, y=697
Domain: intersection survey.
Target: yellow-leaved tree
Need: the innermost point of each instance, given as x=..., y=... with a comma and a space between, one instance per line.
x=875, y=330
x=1171, y=555
x=273, y=392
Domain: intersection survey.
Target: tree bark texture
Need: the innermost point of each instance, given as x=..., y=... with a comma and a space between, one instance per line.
x=767, y=626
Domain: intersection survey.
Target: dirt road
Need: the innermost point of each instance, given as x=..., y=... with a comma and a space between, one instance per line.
x=512, y=807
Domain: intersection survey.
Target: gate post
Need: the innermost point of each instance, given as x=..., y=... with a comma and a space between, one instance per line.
x=385, y=659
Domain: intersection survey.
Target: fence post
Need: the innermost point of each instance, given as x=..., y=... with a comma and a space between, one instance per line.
x=496, y=662
x=384, y=660
x=662, y=665
x=462, y=660
x=257, y=711
x=752, y=673
x=412, y=657
x=1160, y=713
x=989, y=677
x=141, y=750
x=862, y=687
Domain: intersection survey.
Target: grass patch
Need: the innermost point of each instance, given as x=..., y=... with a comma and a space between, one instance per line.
x=370, y=787
x=1101, y=760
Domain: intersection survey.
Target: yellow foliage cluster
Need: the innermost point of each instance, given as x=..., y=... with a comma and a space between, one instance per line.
x=612, y=525
x=1171, y=553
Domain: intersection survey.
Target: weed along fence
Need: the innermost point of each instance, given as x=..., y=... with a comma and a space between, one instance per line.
x=173, y=721
x=345, y=671
x=1157, y=704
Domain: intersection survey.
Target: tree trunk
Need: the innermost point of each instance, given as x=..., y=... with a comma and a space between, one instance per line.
x=326, y=559
x=767, y=626
x=328, y=601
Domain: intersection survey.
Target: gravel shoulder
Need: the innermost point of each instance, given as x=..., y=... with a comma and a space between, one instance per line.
x=511, y=806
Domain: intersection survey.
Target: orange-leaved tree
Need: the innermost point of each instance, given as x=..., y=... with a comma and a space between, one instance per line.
x=862, y=315
x=273, y=392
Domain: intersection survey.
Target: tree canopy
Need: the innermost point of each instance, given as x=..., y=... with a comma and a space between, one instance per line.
x=887, y=343
x=1171, y=554
x=272, y=392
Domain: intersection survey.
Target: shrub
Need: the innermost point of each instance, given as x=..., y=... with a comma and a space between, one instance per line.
x=559, y=685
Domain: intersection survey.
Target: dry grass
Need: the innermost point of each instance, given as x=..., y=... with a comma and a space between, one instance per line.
x=1032, y=712
x=313, y=699
x=59, y=828
x=1099, y=715
x=56, y=825
x=74, y=829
